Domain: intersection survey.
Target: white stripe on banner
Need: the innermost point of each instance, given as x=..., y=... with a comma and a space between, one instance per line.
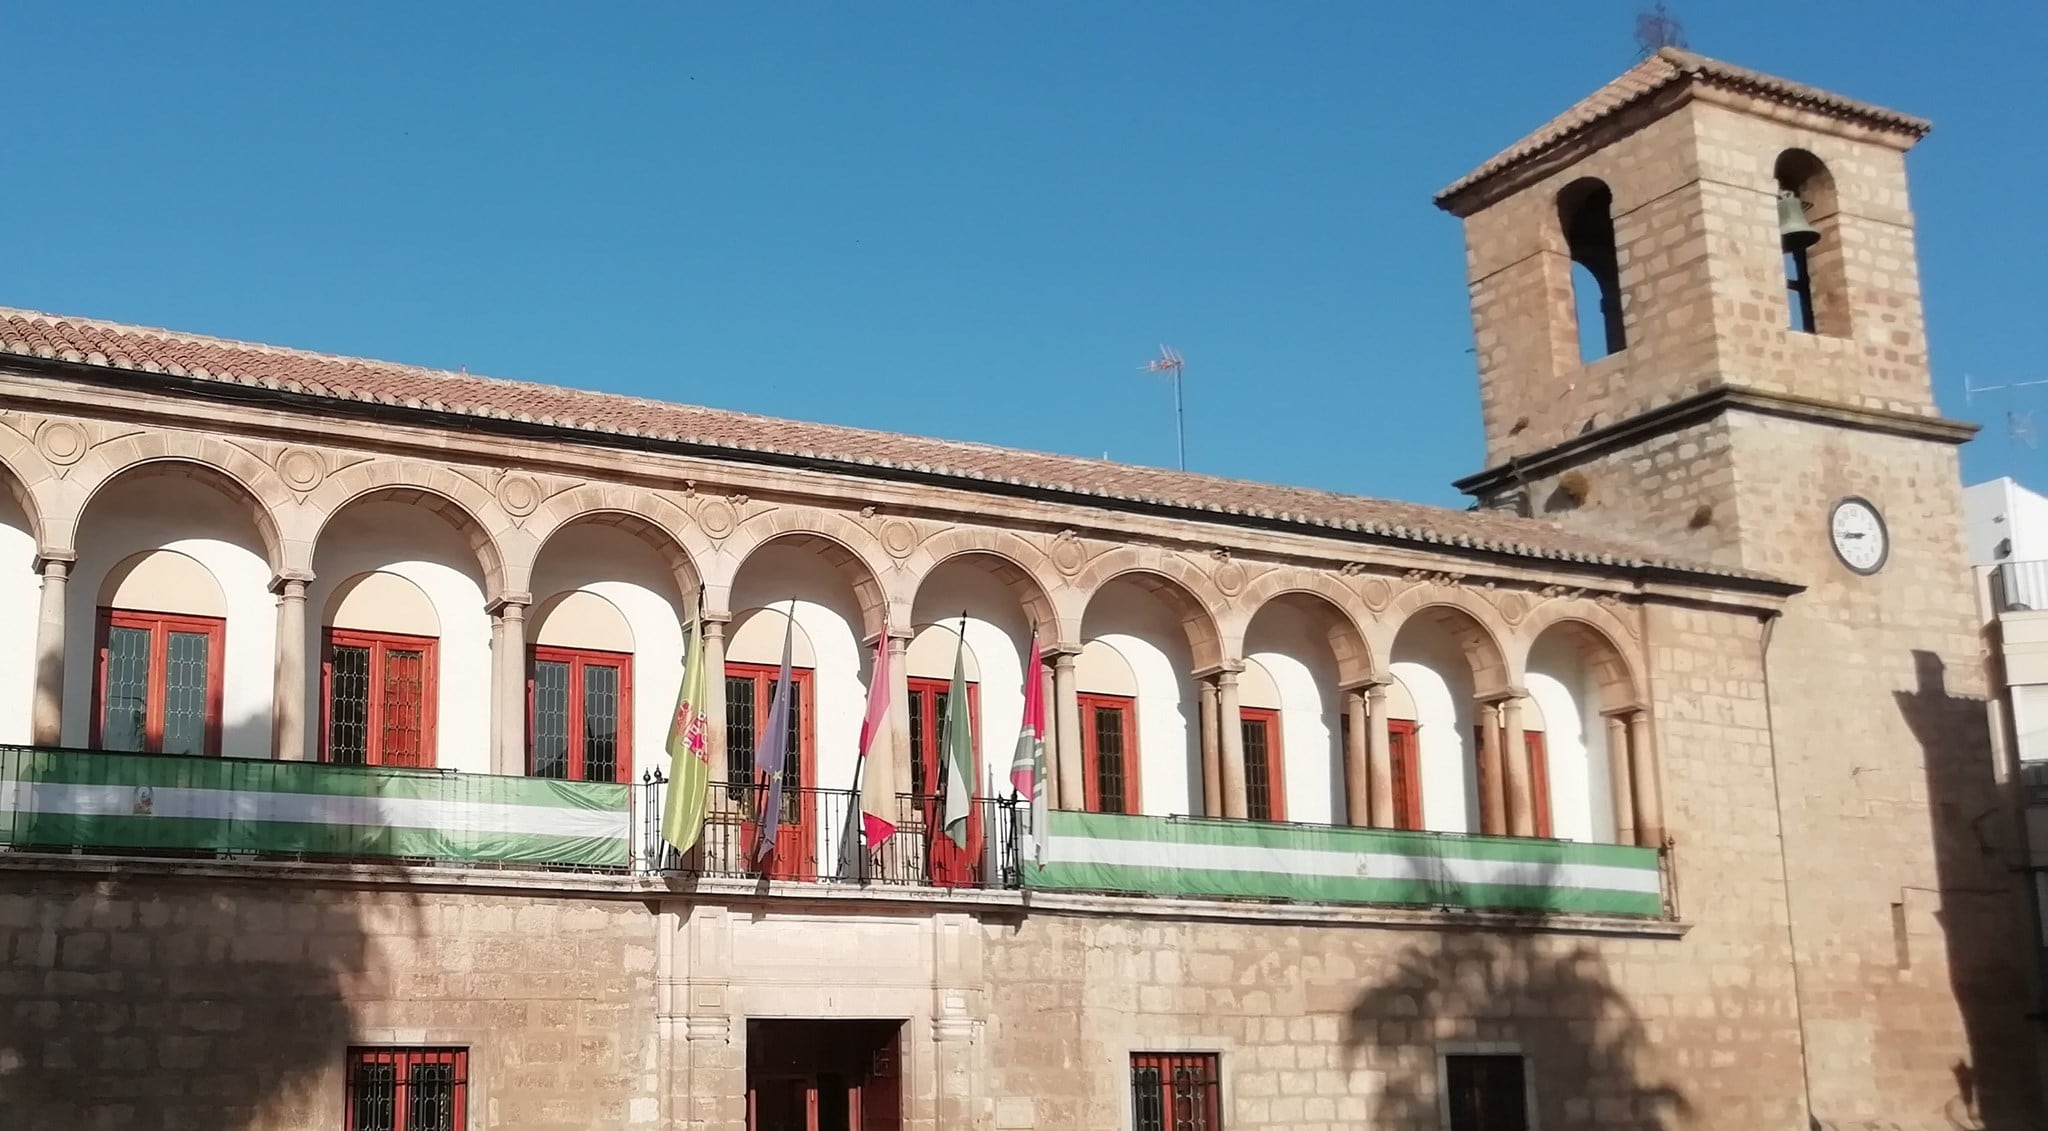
x=1349, y=865
x=316, y=809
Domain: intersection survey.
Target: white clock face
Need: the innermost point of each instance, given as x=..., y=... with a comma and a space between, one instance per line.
x=1859, y=535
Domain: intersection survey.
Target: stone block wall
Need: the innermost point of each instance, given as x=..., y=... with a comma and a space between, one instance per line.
x=155, y=1002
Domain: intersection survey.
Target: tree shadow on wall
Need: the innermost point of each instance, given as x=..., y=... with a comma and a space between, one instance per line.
x=1548, y=997
x=183, y=1002
x=1982, y=908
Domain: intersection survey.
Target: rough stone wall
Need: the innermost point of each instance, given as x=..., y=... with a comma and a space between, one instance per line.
x=1654, y=492
x=168, y=1003
x=1900, y=886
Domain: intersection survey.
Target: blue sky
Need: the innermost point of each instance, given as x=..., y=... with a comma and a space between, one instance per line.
x=971, y=220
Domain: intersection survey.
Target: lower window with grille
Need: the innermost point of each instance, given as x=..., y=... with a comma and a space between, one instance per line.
x=1486, y=1092
x=1178, y=1091
x=408, y=1089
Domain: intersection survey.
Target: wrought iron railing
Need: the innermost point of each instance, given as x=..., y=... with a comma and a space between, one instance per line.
x=820, y=838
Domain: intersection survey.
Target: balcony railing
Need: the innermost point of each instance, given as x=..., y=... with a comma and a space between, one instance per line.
x=96, y=801
x=818, y=840
x=150, y=804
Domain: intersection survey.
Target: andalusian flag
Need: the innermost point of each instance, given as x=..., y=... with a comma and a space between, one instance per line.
x=957, y=743
x=689, y=787
x=1027, y=768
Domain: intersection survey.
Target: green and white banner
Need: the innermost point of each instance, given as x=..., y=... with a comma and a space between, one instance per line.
x=85, y=799
x=1107, y=852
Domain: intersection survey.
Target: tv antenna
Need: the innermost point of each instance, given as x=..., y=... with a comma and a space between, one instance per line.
x=1970, y=391
x=1171, y=363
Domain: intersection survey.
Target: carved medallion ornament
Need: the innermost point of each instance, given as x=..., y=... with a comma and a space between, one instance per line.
x=1068, y=555
x=899, y=538
x=1513, y=607
x=301, y=468
x=716, y=518
x=61, y=442
x=1229, y=578
x=518, y=494
x=1377, y=591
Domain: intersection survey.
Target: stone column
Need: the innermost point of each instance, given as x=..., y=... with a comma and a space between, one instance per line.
x=46, y=726
x=1622, y=780
x=1212, y=752
x=1492, y=794
x=1067, y=712
x=714, y=1095
x=1052, y=739
x=714, y=695
x=1643, y=775
x=288, y=701
x=1379, y=758
x=1230, y=723
x=1357, y=761
x=899, y=722
x=1518, y=774
x=510, y=665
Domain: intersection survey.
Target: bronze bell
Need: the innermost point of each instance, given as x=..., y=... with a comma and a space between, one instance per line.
x=1793, y=230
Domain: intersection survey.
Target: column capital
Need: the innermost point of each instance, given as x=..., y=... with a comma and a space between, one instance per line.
x=504, y=602
x=1054, y=651
x=1376, y=694
x=63, y=562
x=898, y=637
x=1231, y=668
x=282, y=582
x=1621, y=714
x=1503, y=697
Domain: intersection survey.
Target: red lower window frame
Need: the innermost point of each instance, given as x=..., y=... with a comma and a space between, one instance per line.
x=401, y=1061
x=159, y=626
x=1404, y=759
x=929, y=728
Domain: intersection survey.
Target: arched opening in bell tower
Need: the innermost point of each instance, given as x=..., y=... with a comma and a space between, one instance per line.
x=1585, y=212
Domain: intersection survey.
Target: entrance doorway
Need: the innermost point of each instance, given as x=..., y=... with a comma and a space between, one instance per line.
x=824, y=1076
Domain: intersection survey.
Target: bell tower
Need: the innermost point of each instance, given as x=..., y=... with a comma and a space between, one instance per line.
x=1698, y=317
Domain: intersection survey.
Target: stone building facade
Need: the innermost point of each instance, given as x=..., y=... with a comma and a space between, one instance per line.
x=1365, y=814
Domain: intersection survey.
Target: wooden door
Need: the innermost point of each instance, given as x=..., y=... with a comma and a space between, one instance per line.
x=1404, y=761
x=946, y=864
x=749, y=692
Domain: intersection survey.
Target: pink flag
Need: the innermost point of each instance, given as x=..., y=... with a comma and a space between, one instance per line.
x=877, y=829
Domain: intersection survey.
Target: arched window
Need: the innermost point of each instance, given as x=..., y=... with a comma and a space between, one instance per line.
x=162, y=620
x=380, y=673
x=579, y=691
x=1816, y=299
x=1585, y=212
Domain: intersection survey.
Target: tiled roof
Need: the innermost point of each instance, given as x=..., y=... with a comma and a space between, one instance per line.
x=1668, y=66
x=192, y=357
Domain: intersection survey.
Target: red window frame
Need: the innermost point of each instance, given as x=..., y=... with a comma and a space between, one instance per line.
x=1266, y=719
x=796, y=850
x=578, y=659
x=1091, y=778
x=380, y=643
x=159, y=626
x=928, y=726
x=1176, y=1091
x=402, y=1061
x=1404, y=758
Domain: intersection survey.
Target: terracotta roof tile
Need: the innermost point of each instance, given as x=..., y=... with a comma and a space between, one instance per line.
x=1668, y=66
x=120, y=347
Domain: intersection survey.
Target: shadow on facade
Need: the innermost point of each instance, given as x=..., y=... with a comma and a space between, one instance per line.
x=184, y=1002
x=1980, y=903
x=1548, y=998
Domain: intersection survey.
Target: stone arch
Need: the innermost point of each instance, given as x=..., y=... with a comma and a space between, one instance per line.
x=463, y=504
x=843, y=543
x=1356, y=660
x=21, y=467
x=1596, y=633
x=231, y=470
x=660, y=523
x=1468, y=620
x=1022, y=567
x=1185, y=588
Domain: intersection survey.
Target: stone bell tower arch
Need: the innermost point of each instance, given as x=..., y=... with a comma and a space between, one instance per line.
x=1673, y=349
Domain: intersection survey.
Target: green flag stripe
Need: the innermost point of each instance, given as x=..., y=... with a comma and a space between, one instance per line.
x=67, y=830
x=1251, y=834
x=1198, y=883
